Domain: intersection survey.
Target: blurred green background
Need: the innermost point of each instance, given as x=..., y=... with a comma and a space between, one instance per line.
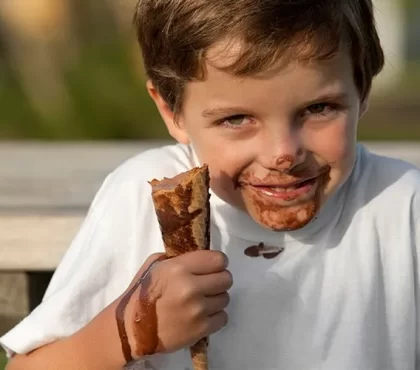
x=72, y=71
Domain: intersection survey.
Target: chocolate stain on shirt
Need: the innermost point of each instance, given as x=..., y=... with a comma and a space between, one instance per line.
x=268, y=252
x=149, y=365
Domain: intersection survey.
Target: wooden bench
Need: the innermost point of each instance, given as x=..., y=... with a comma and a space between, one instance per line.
x=45, y=192
x=46, y=189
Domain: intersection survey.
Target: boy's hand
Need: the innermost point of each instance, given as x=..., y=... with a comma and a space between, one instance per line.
x=173, y=303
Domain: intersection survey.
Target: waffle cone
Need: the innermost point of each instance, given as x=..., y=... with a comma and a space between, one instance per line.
x=199, y=355
x=183, y=210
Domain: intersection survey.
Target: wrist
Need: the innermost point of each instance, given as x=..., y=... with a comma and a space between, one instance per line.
x=100, y=338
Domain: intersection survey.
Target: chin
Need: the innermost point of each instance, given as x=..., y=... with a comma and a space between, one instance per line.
x=286, y=218
x=280, y=217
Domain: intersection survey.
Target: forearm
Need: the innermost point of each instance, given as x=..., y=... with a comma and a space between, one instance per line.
x=96, y=346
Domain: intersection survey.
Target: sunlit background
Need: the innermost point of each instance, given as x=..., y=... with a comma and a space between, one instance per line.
x=71, y=70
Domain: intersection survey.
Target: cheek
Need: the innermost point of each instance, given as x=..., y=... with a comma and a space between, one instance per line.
x=335, y=144
x=226, y=161
x=221, y=154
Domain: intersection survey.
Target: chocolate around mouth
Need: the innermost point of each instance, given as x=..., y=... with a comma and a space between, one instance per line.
x=297, y=184
x=250, y=180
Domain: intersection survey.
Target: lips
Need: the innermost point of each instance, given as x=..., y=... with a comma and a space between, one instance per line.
x=290, y=186
x=287, y=191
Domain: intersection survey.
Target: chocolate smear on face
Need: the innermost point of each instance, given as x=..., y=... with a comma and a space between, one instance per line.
x=285, y=162
x=283, y=218
x=261, y=249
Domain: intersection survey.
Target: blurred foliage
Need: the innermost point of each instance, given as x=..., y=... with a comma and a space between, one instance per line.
x=106, y=99
x=396, y=115
x=2, y=360
x=411, y=5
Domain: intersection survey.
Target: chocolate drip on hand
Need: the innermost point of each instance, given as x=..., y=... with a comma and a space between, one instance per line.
x=146, y=337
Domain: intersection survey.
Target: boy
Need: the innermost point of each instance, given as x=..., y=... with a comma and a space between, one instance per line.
x=314, y=238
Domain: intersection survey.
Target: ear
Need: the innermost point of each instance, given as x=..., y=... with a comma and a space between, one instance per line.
x=364, y=106
x=175, y=126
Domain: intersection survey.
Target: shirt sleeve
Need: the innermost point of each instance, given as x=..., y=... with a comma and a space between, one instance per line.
x=98, y=266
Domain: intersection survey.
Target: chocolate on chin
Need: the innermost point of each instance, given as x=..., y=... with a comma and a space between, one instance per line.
x=182, y=205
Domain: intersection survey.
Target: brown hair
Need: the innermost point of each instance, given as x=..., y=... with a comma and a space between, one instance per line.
x=174, y=36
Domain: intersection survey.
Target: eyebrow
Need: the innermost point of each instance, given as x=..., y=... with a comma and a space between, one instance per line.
x=224, y=112
x=340, y=96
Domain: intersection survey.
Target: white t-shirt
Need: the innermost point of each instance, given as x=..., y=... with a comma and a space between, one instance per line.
x=344, y=293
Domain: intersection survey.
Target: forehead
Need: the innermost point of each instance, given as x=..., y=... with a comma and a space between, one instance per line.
x=241, y=58
x=300, y=78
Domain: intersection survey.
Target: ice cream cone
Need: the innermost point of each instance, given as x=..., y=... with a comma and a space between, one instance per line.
x=183, y=210
x=199, y=355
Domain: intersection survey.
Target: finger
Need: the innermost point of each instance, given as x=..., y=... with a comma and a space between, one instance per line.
x=214, y=284
x=204, y=261
x=216, y=322
x=216, y=303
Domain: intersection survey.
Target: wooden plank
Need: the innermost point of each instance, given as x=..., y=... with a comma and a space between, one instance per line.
x=13, y=297
x=58, y=175
x=35, y=242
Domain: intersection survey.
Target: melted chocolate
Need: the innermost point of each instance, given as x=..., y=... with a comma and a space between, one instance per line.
x=285, y=161
x=146, y=321
x=176, y=223
x=120, y=313
x=283, y=218
x=262, y=250
x=172, y=199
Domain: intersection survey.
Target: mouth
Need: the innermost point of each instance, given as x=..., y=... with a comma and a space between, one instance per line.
x=292, y=192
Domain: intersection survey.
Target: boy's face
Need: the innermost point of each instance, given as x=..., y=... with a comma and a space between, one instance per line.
x=277, y=144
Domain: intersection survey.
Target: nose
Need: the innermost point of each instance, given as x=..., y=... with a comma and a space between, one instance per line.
x=282, y=152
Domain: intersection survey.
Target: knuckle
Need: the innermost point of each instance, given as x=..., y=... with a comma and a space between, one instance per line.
x=224, y=318
x=204, y=328
x=226, y=300
x=212, y=325
x=187, y=291
x=197, y=310
x=228, y=279
x=175, y=269
x=220, y=260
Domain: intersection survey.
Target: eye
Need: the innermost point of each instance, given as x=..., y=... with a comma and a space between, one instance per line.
x=321, y=111
x=319, y=108
x=235, y=121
